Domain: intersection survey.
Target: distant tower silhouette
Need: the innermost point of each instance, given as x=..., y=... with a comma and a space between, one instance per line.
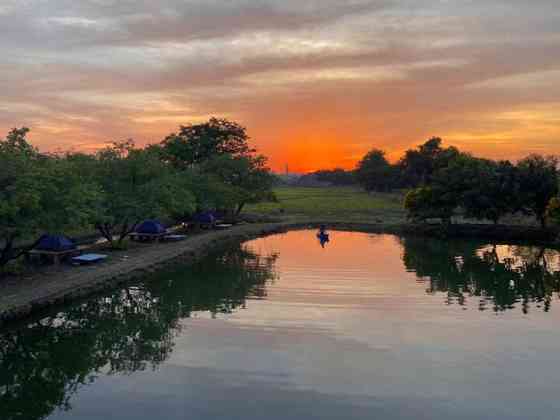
x=287, y=169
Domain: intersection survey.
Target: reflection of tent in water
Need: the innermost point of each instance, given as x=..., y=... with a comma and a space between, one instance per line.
x=55, y=243
x=150, y=227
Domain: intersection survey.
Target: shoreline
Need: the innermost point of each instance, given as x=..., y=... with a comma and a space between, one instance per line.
x=27, y=296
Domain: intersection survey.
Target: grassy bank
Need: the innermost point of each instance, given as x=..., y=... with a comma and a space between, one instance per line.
x=340, y=204
x=350, y=204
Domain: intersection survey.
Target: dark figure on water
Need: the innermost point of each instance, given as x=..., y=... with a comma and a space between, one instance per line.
x=323, y=235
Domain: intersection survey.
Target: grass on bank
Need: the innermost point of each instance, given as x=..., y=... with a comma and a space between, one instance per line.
x=333, y=204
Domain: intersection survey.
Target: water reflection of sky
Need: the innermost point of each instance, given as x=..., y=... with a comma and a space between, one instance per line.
x=347, y=331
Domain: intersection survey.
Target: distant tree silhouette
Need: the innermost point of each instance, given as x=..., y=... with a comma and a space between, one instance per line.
x=538, y=177
x=375, y=173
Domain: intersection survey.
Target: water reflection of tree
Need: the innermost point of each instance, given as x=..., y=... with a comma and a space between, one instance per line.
x=525, y=275
x=44, y=363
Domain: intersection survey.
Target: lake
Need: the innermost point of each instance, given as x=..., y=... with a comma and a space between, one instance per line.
x=364, y=326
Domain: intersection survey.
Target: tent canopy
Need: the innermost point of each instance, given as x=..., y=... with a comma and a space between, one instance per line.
x=55, y=243
x=150, y=227
x=204, y=217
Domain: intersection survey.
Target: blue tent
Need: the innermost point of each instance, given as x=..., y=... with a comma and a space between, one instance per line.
x=218, y=214
x=55, y=243
x=150, y=227
x=205, y=217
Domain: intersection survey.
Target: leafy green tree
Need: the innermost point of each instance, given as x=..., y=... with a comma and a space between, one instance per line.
x=70, y=198
x=417, y=167
x=39, y=193
x=20, y=196
x=424, y=203
x=232, y=174
x=196, y=143
x=484, y=189
x=248, y=177
x=538, y=181
x=209, y=190
x=375, y=173
x=492, y=192
x=137, y=186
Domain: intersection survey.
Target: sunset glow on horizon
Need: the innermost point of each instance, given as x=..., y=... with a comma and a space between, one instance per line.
x=316, y=83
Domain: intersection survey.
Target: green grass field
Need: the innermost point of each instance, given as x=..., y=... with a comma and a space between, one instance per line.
x=333, y=204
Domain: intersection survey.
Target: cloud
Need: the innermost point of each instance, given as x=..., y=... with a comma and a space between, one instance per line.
x=349, y=74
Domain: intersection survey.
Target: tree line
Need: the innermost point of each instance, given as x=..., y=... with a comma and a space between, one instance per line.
x=207, y=166
x=443, y=180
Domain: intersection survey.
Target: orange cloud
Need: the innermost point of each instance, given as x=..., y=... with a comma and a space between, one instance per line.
x=317, y=87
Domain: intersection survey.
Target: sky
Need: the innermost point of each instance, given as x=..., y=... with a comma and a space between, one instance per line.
x=317, y=83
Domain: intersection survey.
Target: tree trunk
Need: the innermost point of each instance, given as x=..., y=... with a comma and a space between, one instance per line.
x=239, y=209
x=9, y=253
x=124, y=232
x=106, y=231
x=6, y=254
x=127, y=230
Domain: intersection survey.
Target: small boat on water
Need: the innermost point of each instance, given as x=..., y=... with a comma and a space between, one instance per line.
x=323, y=236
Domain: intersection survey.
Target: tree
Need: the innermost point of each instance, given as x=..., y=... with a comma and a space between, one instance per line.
x=486, y=190
x=209, y=191
x=70, y=198
x=218, y=154
x=375, y=173
x=196, y=143
x=38, y=193
x=20, y=197
x=248, y=177
x=418, y=166
x=137, y=186
x=538, y=182
x=492, y=192
x=424, y=203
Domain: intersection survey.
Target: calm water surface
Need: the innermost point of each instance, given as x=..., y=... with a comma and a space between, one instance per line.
x=371, y=326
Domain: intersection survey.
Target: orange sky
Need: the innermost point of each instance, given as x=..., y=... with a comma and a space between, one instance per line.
x=316, y=83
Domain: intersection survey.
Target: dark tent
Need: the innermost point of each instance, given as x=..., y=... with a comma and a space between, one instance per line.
x=218, y=215
x=205, y=217
x=55, y=243
x=150, y=227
